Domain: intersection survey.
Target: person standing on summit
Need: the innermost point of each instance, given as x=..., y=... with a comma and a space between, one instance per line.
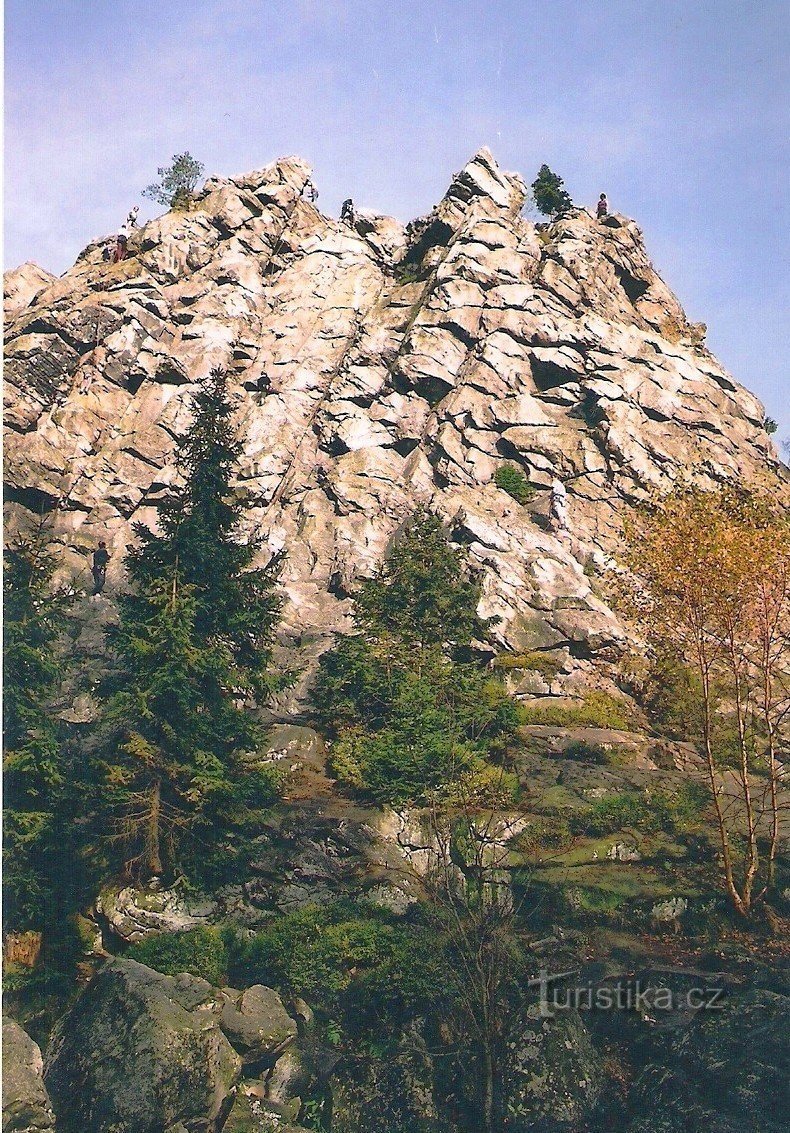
x=603, y=206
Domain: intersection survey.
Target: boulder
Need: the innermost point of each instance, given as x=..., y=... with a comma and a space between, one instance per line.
x=140, y=1052
x=252, y=1113
x=553, y=1072
x=26, y=1104
x=256, y=1023
x=133, y=914
x=726, y=1073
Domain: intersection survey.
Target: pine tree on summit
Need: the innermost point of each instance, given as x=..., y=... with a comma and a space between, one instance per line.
x=194, y=648
x=549, y=194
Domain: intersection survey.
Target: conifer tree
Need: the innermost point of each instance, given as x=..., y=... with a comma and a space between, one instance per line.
x=40, y=863
x=194, y=658
x=410, y=708
x=548, y=193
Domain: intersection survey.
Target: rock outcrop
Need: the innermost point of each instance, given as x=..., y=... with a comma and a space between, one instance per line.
x=376, y=368
x=26, y=1104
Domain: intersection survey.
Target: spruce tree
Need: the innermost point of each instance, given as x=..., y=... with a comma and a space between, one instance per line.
x=40, y=853
x=193, y=651
x=410, y=707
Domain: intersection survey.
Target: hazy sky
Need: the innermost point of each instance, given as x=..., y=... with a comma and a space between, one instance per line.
x=676, y=109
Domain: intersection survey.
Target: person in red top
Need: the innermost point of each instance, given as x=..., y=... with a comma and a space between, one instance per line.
x=603, y=206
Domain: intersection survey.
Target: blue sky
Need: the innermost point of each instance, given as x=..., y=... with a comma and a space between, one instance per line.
x=676, y=109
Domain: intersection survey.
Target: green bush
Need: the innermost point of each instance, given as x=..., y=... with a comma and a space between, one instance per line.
x=597, y=710
x=199, y=951
x=585, y=753
x=672, y=698
x=547, y=832
x=649, y=811
x=548, y=193
x=611, y=814
x=340, y=955
x=513, y=481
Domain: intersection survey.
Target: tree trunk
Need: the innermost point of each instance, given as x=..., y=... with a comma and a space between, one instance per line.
x=153, y=847
x=488, y=1090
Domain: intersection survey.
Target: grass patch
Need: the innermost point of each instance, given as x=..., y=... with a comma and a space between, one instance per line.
x=597, y=710
x=535, y=662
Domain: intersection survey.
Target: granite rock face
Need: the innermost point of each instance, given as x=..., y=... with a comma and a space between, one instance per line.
x=376, y=368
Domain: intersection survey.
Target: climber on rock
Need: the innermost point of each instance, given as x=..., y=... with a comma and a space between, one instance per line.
x=347, y=211
x=558, y=507
x=131, y=220
x=311, y=192
x=99, y=569
x=603, y=206
x=121, y=242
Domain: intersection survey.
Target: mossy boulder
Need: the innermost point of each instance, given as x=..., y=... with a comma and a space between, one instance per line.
x=554, y=1075
x=139, y=1052
x=26, y=1104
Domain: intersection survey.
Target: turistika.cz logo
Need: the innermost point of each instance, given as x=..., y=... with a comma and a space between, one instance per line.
x=620, y=994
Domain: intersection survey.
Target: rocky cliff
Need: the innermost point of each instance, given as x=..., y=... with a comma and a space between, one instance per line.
x=376, y=368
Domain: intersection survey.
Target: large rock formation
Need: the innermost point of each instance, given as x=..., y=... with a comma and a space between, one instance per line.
x=376, y=368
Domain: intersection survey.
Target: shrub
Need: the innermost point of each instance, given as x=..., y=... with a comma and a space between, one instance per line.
x=199, y=951
x=585, y=753
x=770, y=425
x=319, y=952
x=650, y=811
x=611, y=814
x=548, y=832
x=671, y=695
x=513, y=481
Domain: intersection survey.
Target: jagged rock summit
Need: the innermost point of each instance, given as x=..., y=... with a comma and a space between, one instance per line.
x=376, y=368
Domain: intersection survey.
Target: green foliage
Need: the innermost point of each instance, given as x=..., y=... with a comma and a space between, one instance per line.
x=342, y=958
x=200, y=951
x=546, y=832
x=193, y=653
x=513, y=481
x=409, y=711
x=422, y=595
x=408, y=272
x=549, y=195
x=649, y=811
x=177, y=181
x=585, y=752
x=597, y=710
x=43, y=869
x=770, y=425
x=671, y=695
